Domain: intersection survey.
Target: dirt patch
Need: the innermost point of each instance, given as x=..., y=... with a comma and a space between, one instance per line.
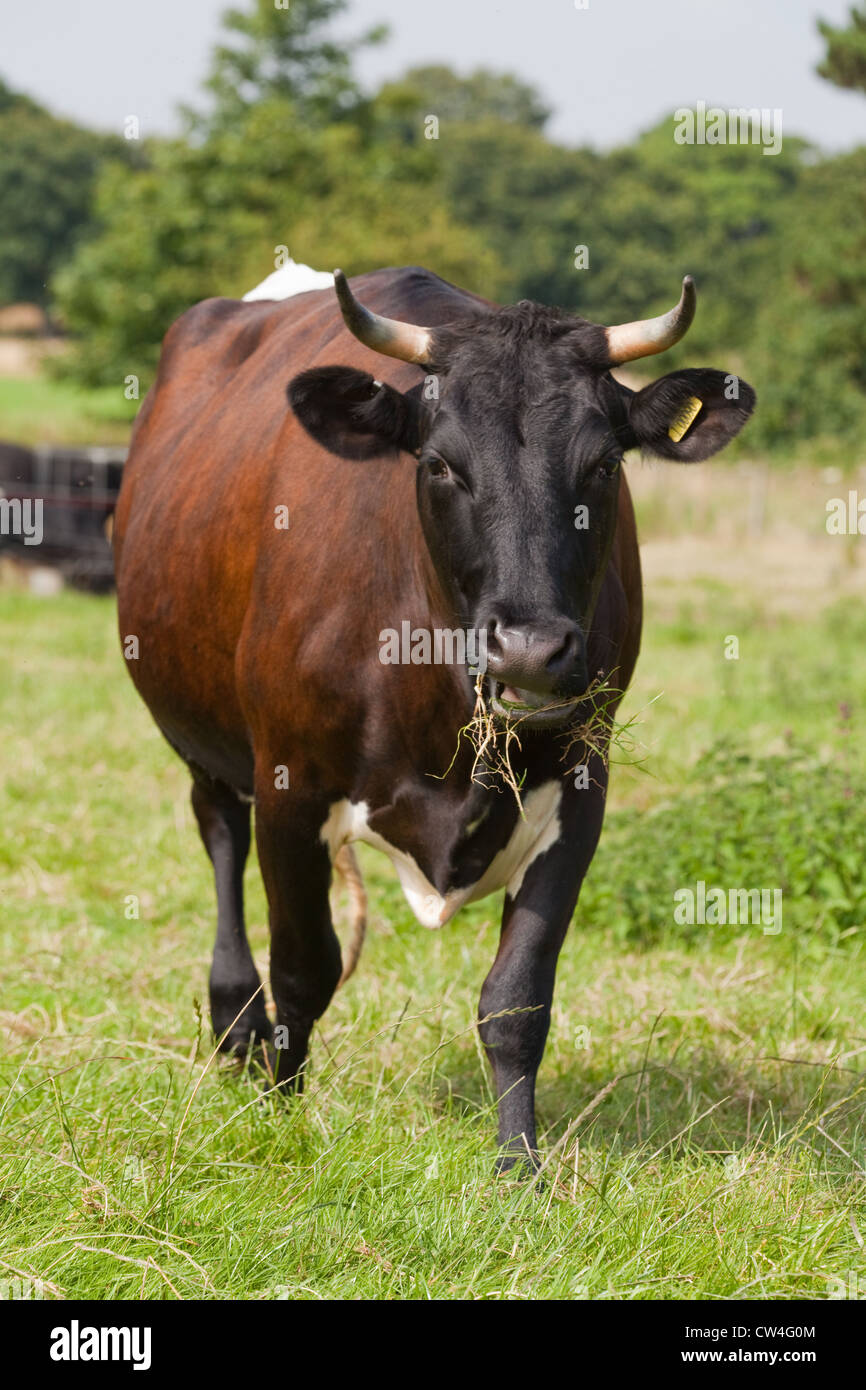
x=22, y=358
x=759, y=528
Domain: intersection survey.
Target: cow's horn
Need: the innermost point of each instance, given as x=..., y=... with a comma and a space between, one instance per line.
x=627, y=341
x=407, y=341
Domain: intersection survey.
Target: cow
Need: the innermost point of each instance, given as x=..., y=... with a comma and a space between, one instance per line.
x=283, y=507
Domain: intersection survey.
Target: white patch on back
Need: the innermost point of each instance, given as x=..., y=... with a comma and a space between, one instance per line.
x=531, y=837
x=291, y=278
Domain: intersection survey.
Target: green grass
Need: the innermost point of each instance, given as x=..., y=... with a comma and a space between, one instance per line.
x=701, y=1098
x=41, y=410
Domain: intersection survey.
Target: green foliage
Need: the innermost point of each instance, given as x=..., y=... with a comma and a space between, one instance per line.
x=648, y=214
x=284, y=53
x=207, y=218
x=810, y=334
x=48, y=168
x=401, y=107
x=753, y=822
x=845, y=60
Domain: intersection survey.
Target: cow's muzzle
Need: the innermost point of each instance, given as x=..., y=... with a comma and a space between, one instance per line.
x=547, y=658
x=536, y=665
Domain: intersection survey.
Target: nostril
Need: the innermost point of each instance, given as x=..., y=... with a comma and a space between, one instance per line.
x=508, y=645
x=563, y=655
x=495, y=649
x=533, y=656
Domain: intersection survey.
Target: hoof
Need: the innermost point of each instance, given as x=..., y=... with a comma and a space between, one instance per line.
x=280, y=1071
x=517, y=1163
x=245, y=1036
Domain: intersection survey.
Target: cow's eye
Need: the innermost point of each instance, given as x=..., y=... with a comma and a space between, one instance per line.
x=607, y=467
x=437, y=467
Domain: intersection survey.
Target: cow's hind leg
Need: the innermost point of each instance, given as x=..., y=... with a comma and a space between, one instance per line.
x=305, y=952
x=236, y=1001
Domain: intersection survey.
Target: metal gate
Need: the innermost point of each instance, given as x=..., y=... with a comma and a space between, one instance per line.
x=76, y=489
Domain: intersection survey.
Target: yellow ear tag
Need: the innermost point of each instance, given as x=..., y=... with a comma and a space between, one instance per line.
x=682, y=421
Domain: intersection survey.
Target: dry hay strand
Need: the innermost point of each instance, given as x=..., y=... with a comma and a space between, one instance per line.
x=495, y=740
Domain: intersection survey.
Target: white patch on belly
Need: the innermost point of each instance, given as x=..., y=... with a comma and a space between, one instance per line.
x=291, y=278
x=531, y=837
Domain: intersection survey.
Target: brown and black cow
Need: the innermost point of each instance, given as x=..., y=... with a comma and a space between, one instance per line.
x=479, y=490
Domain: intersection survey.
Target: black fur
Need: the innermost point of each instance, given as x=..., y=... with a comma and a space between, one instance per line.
x=353, y=415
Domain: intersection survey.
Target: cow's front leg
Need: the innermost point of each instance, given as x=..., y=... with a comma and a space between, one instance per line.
x=534, y=922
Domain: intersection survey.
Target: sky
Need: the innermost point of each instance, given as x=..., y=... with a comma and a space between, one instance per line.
x=609, y=70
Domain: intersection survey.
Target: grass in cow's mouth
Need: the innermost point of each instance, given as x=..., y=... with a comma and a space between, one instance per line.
x=596, y=736
x=495, y=739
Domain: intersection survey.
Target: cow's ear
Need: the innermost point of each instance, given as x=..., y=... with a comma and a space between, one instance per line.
x=355, y=416
x=689, y=415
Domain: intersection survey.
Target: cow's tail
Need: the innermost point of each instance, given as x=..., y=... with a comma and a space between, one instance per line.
x=347, y=866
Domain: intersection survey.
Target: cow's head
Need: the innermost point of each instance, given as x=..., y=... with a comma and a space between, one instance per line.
x=519, y=459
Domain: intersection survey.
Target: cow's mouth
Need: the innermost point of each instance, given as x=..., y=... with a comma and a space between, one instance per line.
x=528, y=709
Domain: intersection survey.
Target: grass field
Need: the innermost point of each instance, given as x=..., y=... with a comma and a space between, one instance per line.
x=39, y=410
x=702, y=1096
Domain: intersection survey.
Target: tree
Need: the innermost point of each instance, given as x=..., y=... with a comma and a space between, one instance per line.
x=284, y=53
x=48, y=170
x=716, y=212
x=402, y=107
x=809, y=343
x=209, y=218
x=495, y=171
x=845, y=60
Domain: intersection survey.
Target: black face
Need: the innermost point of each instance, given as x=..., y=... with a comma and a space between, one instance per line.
x=518, y=502
x=518, y=477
